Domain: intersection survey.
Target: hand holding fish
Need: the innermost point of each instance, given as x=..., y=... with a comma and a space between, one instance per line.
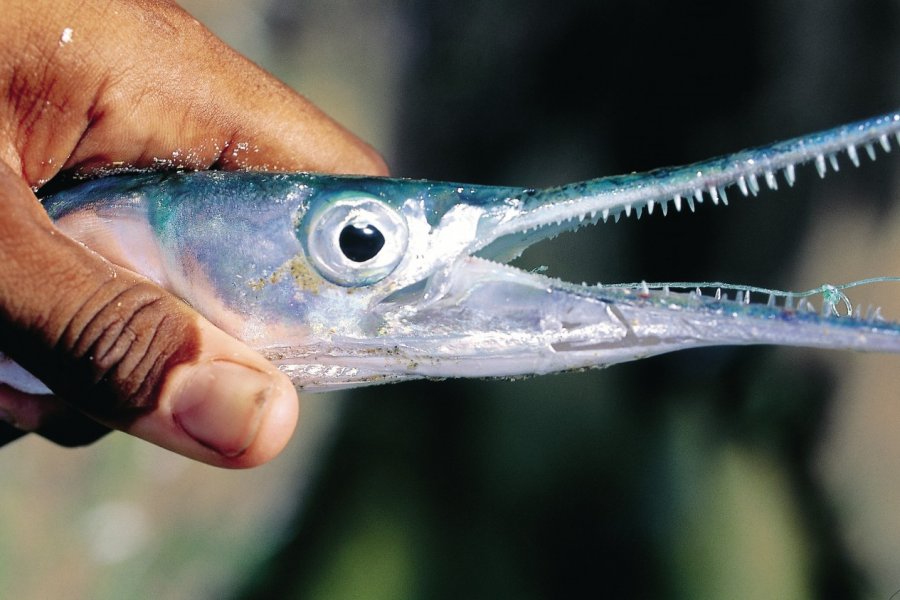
x=95, y=86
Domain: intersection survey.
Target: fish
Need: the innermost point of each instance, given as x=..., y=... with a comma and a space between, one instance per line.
x=345, y=281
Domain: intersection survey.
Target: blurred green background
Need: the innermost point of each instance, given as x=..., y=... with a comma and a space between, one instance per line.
x=739, y=473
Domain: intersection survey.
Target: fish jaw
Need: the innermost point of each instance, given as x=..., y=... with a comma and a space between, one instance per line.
x=492, y=320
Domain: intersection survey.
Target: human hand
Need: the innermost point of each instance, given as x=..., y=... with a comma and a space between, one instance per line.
x=88, y=85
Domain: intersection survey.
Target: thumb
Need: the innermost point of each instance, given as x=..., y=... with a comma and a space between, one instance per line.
x=128, y=354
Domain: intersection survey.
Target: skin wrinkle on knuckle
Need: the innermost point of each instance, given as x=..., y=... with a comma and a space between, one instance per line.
x=53, y=315
x=132, y=336
x=140, y=349
x=97, y=323
x=105, y=338
x=162, y=354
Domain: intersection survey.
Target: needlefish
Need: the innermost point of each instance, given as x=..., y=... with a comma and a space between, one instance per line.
x=345, y=281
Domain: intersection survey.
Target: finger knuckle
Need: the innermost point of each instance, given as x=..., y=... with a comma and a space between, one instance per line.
x=123, y=340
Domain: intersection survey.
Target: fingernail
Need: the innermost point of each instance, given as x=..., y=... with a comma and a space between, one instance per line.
x=221, y=406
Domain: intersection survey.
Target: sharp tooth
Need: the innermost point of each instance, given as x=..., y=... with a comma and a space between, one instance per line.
x=664, y=205
x=617, y=216
x=742, y=184
x=690, y=202
x=820, y=165
x=638, y=210
x=650, y=205
x=754, y=184
x=739, y=297
x=790, y=175
x=645, y=290
x=627, y=210
x=723, y=195
x=885, y=142
x=832, y=159
x=698, y=195
x=677, y=200
x=897, y=135
x=581, y=218
x=665, y=290
x=789, y=303
x=605, y=214
x=771, y=301
x=714, y=194
x=718, y=293
x=593, y=214
x=870, y=150
x=854, y=157
x=747, y=297
x=770, y=180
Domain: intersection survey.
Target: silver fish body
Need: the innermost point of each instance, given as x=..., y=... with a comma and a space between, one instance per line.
x=347, y=281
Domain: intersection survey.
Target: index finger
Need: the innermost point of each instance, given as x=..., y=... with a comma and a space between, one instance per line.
x=155, y=88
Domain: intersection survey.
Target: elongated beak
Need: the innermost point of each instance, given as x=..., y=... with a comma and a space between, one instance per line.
x=492, y=320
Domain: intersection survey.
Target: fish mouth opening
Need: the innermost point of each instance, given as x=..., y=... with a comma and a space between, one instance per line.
x=827, y=300
x=535, y=215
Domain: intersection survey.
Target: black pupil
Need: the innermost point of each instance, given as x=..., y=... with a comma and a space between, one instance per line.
x=359, y=243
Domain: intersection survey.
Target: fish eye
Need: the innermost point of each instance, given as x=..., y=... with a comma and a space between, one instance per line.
x=360, y=243
x=354, y=239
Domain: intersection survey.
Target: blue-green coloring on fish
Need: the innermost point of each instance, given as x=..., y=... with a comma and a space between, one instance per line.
x=347, y=281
